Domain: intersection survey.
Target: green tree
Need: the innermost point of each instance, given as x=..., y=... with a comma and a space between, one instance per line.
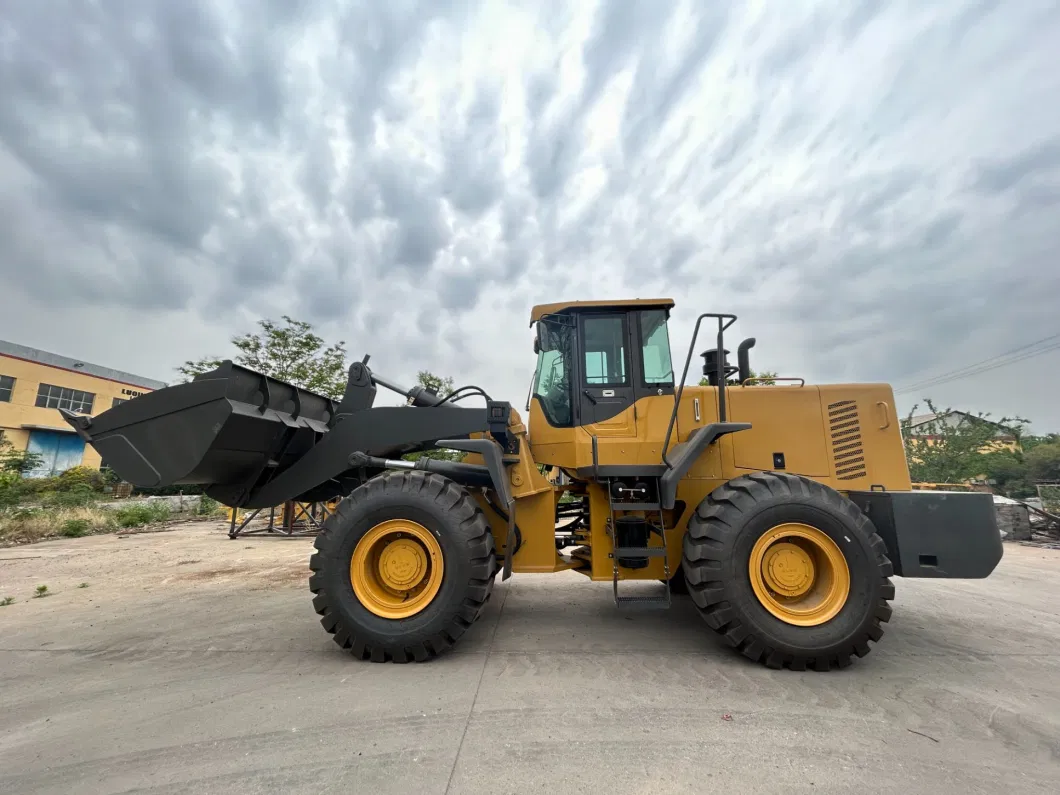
x=1029, y=442
x=442, y=386
x=948, y=450
x=1007, y=472
x=289, y=352
x=1043, y=462
x=768, y=379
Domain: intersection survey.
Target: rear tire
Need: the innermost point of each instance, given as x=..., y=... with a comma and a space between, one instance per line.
x=459, y=536
x=722, y=539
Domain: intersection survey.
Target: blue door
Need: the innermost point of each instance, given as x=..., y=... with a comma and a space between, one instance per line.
x=58, y=451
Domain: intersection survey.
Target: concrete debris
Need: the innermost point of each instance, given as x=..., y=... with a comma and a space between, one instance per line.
x=1013, y=520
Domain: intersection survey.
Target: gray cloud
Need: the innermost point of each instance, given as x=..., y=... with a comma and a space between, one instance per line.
x=872, y=186
x=473, y=149
x=1003, y=173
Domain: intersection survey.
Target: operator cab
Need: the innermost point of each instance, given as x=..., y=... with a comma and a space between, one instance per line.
x=595, y=359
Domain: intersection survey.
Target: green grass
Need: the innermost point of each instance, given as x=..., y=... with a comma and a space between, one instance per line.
x=209, y=507
x=140, y=515
x=23, y=524
x=75, y=528
x=7, y=600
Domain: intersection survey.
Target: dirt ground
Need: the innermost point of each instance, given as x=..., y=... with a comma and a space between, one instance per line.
x=178, y=556
x=195, y=663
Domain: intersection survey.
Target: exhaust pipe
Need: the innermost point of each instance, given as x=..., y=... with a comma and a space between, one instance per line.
x=743, y=360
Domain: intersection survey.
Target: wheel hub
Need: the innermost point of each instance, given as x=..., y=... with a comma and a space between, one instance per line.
x=402, y=564
x=788, y=569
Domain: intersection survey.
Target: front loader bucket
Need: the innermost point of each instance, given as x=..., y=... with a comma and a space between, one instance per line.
x=224, y=428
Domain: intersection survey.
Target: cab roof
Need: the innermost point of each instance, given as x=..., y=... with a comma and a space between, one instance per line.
x=541, y=310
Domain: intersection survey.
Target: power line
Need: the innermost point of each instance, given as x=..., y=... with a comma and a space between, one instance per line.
x=979, y=370
x=930, y=381
x=984, y=366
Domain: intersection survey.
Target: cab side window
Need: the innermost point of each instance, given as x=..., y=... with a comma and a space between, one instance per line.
x=552, y=380
x=655, y=349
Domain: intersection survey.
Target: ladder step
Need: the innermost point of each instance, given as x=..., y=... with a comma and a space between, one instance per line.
x=643, y=602
x=635, y=506
x=640, y=552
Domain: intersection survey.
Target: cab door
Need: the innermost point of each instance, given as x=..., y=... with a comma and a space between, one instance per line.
x=605, y=381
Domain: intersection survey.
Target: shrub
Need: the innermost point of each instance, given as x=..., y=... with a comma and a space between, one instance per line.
x=209, y=507
x=78, y=495
x=34, y=486
x=9, y=497
x=17, y=461
x=138, y=515
x=80, y=477
x=75, y=528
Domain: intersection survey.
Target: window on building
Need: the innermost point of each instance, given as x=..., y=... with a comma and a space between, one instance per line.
x=7, y=386
x=60, y=397
x=117, y=402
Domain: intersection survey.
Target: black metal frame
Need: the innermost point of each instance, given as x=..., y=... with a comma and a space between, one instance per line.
x=310, y=527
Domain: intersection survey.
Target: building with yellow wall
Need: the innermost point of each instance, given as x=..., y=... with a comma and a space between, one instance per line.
x=34, y=384
x=926, y=428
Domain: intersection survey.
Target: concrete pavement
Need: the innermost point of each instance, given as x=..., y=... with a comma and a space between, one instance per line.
x=193, y=664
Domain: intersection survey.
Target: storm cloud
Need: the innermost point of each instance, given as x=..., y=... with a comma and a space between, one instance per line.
x=873, y=187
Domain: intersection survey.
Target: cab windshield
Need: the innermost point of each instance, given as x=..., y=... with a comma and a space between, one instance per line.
x=552, y=380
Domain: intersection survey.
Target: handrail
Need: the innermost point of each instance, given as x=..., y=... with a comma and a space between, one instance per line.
x=688, y=360
x=746, y=381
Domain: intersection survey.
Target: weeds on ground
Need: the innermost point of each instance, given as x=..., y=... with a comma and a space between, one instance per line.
x=140, y=515
x=78, y=496
x=26, y=524
x=83, y=585
x=209, y=507
x=7, y=600
x=69, y=505
x=42, y=590
x=75, y=528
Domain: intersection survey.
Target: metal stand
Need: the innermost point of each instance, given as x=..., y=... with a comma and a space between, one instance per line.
x=235, y=532
x=308, y=518
x=299, y=520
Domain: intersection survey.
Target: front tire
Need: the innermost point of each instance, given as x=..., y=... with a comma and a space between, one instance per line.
x=788, y=571
x=403, y=567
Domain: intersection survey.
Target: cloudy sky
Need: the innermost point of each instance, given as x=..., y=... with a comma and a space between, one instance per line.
x=873, y=187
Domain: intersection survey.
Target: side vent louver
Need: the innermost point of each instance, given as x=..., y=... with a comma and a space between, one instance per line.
x=847, y=450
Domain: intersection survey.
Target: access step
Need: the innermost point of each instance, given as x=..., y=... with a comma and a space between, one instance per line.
x=635, y=506
x=643, y=602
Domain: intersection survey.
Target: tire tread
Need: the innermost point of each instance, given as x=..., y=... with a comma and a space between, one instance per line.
x=713, y=530
x=449, y=497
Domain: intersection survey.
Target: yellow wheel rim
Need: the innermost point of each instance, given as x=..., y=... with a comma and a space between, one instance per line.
x=799, y=574
x=396, y=568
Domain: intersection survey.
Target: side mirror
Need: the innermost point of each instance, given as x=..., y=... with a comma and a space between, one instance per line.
x=537, y=340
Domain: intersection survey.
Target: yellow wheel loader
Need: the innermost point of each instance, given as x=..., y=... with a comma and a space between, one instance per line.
x=782, y=510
